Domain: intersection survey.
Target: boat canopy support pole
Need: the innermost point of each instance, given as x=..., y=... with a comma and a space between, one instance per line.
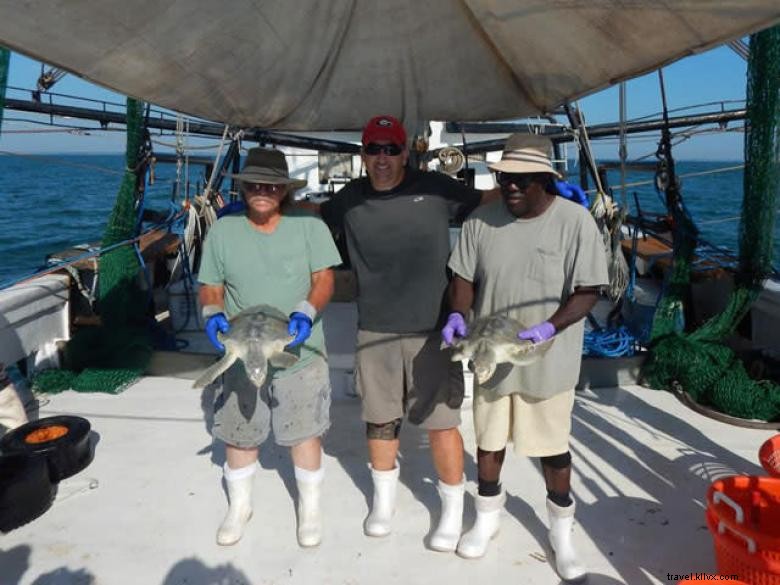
x=576, y=121
x=5, y=60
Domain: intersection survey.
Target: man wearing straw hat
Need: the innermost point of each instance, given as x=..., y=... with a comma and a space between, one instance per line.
x=282, y=258
x=540, y=259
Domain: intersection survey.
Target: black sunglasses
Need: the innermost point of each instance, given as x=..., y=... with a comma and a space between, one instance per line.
x=520, y=180
x=373, y=148
x=274, y=189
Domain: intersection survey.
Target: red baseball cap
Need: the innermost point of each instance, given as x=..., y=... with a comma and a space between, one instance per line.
x=384, y=128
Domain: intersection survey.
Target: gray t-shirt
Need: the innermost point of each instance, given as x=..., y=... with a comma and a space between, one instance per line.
x=398, y=243
x=272, y=269
x=528, y=268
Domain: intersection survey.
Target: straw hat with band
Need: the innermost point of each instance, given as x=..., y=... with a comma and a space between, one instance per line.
x=266, y=165
x=526, y=153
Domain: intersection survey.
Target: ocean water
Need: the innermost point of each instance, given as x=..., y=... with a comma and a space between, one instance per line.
x=52, y=202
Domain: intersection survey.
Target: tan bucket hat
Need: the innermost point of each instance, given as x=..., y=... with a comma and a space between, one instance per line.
x=526, y=153
x=266, y=165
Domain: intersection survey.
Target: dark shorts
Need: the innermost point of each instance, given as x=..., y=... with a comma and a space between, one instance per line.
x=296, y=407
x=401, y=374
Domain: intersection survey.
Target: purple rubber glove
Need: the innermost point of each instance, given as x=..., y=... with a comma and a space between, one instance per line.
x=456, y=326
x=300, y=326
x=217, y=322
x=572, y=193
x=538, y=333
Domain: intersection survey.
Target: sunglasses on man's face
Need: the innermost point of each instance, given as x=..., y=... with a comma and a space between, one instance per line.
x=521, y=181
x=372, y=148
x=273, y=189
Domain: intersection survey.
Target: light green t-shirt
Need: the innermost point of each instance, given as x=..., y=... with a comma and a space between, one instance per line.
x=528, y=268
x=273, y=269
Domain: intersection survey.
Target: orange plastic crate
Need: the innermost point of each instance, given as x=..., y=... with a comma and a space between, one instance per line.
x=743, y=515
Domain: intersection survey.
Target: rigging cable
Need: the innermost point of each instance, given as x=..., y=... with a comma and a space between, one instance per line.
x=605, y=212
x=62, y=162
x=623, y=148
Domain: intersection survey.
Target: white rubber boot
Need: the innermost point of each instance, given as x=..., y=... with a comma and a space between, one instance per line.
x=239, y=486
x=474, y=543
x=561, y=524
x=385, y=487
x=447, y=534
x=12, y=412
x=309, y=518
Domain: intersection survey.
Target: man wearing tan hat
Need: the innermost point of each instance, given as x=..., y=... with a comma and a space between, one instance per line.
x=282, y=258
x=396, y=224
x=540, y=259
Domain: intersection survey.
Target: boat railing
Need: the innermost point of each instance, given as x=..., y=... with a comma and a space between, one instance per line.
x=33, y=315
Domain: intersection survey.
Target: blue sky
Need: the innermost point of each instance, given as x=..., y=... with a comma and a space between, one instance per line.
x=716, y=75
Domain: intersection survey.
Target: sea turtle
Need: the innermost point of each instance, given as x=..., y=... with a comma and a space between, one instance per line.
x=257, y=336
x=493, y=340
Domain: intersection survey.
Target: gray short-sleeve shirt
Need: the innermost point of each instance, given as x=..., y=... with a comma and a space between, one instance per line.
x=528, y=268
x=398, y=243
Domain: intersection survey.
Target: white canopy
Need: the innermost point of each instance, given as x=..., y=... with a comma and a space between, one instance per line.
x=332, y=64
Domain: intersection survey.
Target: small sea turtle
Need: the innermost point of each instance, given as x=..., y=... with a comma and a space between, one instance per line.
x=257, y=336
x=493, y=340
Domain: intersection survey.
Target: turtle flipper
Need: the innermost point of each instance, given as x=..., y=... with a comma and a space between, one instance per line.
x=522, y=355
x=282, y=359
x=458, y=348
x=212, y=372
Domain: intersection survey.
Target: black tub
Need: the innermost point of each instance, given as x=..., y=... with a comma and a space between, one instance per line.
x=67, y=452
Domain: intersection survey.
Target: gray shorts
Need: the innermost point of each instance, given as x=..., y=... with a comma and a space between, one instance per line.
x=407, y=373
x=296, y=406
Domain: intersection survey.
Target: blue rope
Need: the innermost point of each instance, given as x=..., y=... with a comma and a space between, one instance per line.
x=615, y=342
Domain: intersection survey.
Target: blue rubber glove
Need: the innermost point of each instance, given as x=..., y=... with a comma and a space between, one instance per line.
x=215, y=323
x=300, y=326
x=456, y=325
x=538, y=333
x=572, y=193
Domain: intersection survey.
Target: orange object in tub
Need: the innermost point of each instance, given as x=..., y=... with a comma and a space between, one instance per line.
x=743, y=515
x=769, y=455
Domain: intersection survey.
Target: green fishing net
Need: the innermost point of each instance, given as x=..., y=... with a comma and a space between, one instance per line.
x=112, y=356
x=698, y=361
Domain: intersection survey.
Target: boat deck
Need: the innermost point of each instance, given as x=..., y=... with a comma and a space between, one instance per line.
x=147, y=508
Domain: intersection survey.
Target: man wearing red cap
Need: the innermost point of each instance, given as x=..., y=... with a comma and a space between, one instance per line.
x=396, y=223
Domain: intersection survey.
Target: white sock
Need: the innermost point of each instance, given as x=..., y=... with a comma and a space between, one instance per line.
x=240, y=473
x=309, y=476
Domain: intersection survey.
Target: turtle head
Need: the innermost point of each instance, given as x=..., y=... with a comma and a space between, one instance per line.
x=484, y=366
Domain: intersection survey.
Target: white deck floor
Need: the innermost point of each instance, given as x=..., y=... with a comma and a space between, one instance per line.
x=146, y=510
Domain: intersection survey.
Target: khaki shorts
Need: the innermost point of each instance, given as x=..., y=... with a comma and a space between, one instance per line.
x=538, y=428
x=296, y=407
x=407, y=373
